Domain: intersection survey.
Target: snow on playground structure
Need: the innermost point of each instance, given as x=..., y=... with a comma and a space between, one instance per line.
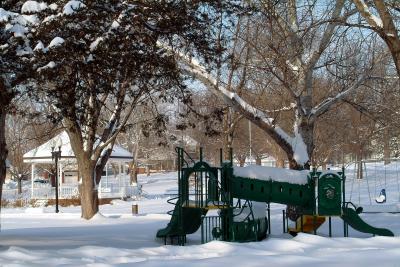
x=240, y=196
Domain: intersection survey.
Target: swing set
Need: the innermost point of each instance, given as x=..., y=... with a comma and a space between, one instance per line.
x=384, y=178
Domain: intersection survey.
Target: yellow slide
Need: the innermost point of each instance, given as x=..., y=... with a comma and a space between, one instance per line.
x=310, y=223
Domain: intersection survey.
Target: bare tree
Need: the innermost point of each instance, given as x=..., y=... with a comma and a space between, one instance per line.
x=382, y=17
x=288, y=44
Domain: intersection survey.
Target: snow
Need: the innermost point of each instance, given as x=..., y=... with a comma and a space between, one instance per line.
x=72, y=6
x=258, y=209
x=17, y=29
x=374, y=20
x=4, y=15
x=31, y=19
x=57, y=41
x=39, y=237
x=53, y=6
x=271, y=173
x=42, y=153
x=39, y=46
x=300, y=154
x=115, y=24
x=95, y=43
x=49, y=65
x=33, y=7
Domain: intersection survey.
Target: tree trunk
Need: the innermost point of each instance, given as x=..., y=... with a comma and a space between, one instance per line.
x=280, y=163
x=359, y=164
x=19, y=179
x=306, y=129
x=133, y=168
x=88, y=191
x=227, y=138
x=323, y=166
x=133, y=174
x=242, y=162
x=3, y=150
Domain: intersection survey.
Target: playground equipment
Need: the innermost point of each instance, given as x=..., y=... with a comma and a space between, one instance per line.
x=382, y=197
x=238, y=193
x=368, y=178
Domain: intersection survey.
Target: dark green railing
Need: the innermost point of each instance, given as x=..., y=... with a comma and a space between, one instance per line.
x=211, y=229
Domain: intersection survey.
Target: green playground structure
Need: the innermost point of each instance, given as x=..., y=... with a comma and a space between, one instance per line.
x=236, y=201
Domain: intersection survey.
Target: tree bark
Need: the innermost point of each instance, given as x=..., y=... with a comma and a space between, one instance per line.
x=384, y=26
x=227, y=138
x=359, y=157
x=133, y=167
x=280, y=162
x=19, y=179
x=3, y=149
x=88, y=190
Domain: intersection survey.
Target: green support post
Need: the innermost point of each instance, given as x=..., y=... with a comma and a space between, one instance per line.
x=283, y=221
x=231, y=156
x=269, y=219
x=330, y=226
x=345, y=226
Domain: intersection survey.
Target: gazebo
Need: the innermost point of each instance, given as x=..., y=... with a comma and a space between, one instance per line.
x=67, y=168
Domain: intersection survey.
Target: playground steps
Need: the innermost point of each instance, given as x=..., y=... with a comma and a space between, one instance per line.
x=310, y=223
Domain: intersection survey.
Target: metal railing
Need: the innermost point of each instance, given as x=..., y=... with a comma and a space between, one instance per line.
x=211, y=229
x=69, y=192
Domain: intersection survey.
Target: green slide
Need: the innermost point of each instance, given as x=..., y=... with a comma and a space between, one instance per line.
x=351, y=217
x=191, y=219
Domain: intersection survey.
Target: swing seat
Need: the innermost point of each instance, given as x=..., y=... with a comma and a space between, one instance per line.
x=382, y=197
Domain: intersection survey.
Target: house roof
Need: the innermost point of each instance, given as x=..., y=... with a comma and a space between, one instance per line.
x=42, y=153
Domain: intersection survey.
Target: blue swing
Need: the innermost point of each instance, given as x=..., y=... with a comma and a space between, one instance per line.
x=382, y=197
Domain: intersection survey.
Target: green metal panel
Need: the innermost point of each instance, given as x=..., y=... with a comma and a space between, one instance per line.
x=250, y=230
x=184, y=184
x=329, y=195
x=271, y=191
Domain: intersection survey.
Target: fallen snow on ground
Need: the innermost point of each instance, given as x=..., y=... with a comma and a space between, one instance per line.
x=115, y=237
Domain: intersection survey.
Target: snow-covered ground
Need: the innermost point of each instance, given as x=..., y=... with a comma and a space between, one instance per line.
x=39, y=237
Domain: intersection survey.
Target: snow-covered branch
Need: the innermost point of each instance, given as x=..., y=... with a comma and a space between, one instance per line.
x=372, y=20
x=324, y=106
x=292, y=145
x=327, y=35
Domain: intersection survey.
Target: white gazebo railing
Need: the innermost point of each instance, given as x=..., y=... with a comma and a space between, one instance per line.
x=114, y=187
